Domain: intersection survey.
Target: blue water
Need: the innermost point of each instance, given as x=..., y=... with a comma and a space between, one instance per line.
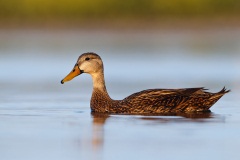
x=42, y=119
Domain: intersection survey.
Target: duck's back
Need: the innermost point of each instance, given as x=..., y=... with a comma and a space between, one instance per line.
x=168, y=101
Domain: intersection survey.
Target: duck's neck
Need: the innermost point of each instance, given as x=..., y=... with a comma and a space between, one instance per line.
x=99, y=82
x=100, y=101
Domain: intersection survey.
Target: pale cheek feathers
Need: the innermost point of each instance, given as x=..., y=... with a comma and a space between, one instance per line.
x=88, y=67
x=84, y=66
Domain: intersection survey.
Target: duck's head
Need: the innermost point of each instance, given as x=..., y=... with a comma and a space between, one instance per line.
x=90, y=63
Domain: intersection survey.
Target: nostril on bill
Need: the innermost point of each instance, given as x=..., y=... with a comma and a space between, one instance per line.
x=73, y=70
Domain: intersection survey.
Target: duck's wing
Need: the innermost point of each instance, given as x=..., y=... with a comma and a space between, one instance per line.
x=168, y=100
x=153, y=93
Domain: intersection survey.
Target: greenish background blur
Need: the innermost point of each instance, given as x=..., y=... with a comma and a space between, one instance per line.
x=49, y=12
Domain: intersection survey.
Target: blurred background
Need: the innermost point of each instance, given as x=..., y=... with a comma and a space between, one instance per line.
x=167, y=35
x=177, y=43
x=143, y=43
x=112, y=13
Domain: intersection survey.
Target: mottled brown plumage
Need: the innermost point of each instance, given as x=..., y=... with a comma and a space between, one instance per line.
x=151, y=101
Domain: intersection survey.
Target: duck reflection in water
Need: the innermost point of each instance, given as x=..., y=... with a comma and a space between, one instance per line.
x=100, y=119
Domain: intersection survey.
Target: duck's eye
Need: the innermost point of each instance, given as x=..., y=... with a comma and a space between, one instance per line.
x=87, y=58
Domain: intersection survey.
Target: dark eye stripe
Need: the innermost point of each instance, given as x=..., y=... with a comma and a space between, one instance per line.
x=87, y=58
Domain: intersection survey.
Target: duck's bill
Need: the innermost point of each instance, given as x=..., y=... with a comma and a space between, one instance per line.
x=75, y=72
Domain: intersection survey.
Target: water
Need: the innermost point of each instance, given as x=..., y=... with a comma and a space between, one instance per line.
x=42, y=119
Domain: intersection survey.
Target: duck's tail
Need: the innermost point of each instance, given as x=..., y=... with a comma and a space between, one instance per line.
x=223, y=91
x=216, y=96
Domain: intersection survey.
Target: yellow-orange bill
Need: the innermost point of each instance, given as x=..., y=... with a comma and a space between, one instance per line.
x=75, y=72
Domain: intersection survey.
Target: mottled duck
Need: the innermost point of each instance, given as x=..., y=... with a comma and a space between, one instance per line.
x=151, y=101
